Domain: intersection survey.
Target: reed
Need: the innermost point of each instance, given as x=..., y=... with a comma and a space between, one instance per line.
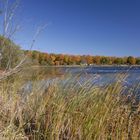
x=67, y=110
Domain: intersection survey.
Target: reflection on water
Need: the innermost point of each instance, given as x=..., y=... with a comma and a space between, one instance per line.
x=96, y=75
x=128, y=77
x=105, y=75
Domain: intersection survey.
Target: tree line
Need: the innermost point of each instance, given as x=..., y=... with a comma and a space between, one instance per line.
x=39, y=58
x=11, y=54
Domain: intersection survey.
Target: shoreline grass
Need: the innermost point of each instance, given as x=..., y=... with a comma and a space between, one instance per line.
x=67, y=111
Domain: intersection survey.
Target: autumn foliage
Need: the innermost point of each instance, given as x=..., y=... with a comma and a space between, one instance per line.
x=39, y=58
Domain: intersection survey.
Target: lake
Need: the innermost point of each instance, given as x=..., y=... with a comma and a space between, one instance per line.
x=104, y=74
x=129, y=77
x=99, y=75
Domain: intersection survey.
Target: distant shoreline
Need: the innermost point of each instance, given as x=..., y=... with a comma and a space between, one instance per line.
x=74, y=66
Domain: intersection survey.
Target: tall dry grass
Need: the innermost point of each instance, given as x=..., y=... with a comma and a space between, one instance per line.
x=67, y=110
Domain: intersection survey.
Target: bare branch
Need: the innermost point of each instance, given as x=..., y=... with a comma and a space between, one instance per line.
x=9, y=12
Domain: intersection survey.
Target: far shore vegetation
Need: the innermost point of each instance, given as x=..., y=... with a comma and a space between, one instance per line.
x=40, y=58
x=37, y=58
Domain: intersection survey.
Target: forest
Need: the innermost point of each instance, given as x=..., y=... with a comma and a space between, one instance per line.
x=40, y=58
x=13, y=53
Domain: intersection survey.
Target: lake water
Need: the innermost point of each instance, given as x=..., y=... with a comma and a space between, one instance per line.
x=94, y=75
x=106, y=74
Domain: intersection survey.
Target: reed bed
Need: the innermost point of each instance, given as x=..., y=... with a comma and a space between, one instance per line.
x=68, y=110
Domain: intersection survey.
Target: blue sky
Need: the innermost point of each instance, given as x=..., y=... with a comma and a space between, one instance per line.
x=95, y=27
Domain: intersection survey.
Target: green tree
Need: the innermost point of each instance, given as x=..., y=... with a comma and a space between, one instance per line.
x=118, y=61
x=138, y=61
x=10, y=53
x=104, y=60
x=131, y=60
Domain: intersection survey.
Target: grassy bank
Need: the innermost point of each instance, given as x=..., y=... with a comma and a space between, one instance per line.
x=67, y=111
